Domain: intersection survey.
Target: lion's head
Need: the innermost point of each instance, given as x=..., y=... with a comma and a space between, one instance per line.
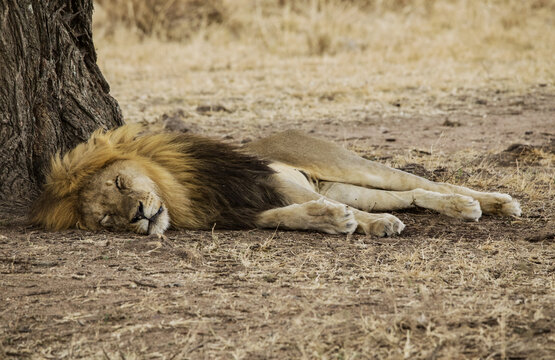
x=122, y=197
x=117, y=180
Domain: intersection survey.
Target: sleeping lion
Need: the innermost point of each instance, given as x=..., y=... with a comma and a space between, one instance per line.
x=123, y=180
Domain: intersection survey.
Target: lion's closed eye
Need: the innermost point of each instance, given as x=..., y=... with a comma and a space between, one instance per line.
x=119, y=183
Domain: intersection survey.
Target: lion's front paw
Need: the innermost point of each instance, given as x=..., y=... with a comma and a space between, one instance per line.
x=499, y=204
x=462, y=207
x=331, y=218
x=511, y=208
x=379, y=224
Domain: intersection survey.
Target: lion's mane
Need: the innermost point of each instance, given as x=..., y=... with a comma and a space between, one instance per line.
x=201, y=181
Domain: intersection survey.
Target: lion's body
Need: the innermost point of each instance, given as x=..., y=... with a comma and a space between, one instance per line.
x=122, y=180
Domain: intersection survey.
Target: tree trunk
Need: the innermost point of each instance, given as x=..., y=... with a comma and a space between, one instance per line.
x=52, y=94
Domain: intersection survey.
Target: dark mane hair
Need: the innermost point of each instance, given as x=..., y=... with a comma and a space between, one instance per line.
x=233, y=187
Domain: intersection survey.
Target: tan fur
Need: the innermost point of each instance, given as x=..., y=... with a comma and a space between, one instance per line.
x=330, y=165
x=102, y=183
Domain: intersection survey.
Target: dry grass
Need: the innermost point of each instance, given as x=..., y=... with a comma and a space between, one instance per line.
x=165, y=19
x=436, y=87
x=301, y=52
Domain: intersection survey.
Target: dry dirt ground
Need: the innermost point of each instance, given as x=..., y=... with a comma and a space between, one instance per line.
x=442, y=289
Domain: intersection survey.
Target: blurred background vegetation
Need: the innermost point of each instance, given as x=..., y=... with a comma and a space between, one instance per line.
x=398, y=28
x=285, y=55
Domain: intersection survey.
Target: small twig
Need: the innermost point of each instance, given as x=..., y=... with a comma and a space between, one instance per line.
x=142, y=283
x=34, y=293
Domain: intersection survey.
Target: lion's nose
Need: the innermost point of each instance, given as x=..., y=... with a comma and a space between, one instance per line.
x=141, y=210
x=140, y=214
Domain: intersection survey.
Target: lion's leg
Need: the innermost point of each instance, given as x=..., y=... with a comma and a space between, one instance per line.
x=320, y=215
x=304, y=199
x=329, y=217
x=373, y=175
x=328, y=161
x=454, y=205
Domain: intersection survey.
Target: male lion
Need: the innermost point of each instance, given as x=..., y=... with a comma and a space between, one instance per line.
x=127, y=181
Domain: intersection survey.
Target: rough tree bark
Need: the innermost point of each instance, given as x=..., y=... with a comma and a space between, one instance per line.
x=52, y=94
